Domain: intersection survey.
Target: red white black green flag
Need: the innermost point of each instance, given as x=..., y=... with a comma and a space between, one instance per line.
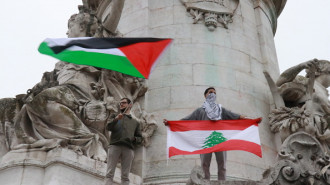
x=131, y=56
x=199, y=137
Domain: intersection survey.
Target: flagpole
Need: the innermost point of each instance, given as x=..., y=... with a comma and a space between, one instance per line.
x=167, y=143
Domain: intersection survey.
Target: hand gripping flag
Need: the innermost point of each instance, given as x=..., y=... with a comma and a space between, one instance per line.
x=131, y=56
x=200, y=137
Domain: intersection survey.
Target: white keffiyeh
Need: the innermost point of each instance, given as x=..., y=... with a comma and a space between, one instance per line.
x=213, y=110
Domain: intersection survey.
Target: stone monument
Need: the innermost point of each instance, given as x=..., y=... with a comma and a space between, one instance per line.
x=55, y=133
x=302, y=120
x=221, y=43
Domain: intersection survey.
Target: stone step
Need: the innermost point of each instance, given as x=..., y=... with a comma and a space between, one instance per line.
x=59, y=166
x=234, y=183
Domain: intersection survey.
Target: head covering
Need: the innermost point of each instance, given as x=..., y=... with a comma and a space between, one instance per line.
x=213, y=110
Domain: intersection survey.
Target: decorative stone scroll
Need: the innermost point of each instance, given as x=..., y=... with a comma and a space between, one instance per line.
x=301, y=118
x=213, y=12
x=301, y=161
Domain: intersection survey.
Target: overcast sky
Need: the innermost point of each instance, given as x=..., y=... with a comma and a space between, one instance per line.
x=303, y=33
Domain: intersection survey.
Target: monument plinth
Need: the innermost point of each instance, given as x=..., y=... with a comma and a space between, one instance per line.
x=56, y=167
x=226, y=44
x=230, y=58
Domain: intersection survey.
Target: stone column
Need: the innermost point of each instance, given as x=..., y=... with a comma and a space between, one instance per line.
x=230, y=59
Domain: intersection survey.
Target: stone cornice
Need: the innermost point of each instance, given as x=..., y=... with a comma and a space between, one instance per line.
x=58, y=156
x=45, y=164
x=271, y=10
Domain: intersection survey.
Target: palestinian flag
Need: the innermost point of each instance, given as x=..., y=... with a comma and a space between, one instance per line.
x=131, y=56
x=199, y=137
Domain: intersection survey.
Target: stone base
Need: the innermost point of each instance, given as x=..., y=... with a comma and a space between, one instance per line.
x=234, y=183
x=56, y=167
x=224, y=183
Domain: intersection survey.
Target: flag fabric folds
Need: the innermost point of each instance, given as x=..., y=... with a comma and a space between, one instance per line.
x=131, y=56
x=199, y=137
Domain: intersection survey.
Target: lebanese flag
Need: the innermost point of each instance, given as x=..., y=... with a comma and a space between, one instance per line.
x=200, y=137
x=131, y=56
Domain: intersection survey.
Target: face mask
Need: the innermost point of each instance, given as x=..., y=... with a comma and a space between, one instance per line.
x=211, y=98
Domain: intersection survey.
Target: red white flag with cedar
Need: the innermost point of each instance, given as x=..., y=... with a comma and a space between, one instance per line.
x=199, y=137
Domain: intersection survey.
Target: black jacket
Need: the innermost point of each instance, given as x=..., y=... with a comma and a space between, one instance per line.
x=125, y=131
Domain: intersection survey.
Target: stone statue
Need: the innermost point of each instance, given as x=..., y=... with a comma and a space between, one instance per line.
x=82, y=25
x=305, y=104
x=56, y=116
x=71, y=105
x=302, y=119
x=98, y=18
x=9, y=107
x=316, y=97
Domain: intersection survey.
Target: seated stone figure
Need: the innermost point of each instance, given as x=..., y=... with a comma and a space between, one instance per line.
x=62, y=115
x=306, y=100
x=55, y=116
x=71, y=105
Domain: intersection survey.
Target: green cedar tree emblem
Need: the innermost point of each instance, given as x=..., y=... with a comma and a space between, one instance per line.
x=213, y=139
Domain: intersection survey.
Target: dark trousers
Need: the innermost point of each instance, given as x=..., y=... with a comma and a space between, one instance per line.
x=114, y=154
x=221, y=161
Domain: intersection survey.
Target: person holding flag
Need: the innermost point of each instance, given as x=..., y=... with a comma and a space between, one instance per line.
x=210, y=110
x=125, y=134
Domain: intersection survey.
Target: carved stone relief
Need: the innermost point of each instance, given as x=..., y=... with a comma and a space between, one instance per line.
x=302, y=102
x=212, y=12
x=71, y=105
x=301, y=161
x=301, y=117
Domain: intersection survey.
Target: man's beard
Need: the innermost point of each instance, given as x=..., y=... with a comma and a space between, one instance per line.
x=122, y=110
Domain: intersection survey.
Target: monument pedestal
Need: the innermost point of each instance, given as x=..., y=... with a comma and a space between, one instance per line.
x=56, y=167
x=231, y=58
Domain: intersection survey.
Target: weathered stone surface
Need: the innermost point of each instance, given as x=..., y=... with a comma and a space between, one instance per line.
x=193, y=54
x=58, y=166
x=220, y=37
x=161, y=96
x=235, y=183
x=300, y=118
x=138, y=17
x=301, y=161
x=179, y=74
x=158, y=4
x=210, y=75
x=161, y=16
x=230, y=59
